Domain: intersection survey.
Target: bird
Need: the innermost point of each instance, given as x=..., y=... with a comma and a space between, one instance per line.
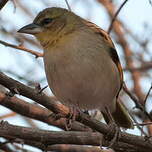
x=81, y=63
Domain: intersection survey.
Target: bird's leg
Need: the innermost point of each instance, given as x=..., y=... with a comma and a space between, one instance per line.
x=74, y=111
x=113, y=127
x=69, y=119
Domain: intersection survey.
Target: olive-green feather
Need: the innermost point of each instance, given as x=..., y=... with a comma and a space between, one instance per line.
x=121, y=117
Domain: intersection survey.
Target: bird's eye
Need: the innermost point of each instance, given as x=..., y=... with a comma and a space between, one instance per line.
x=46, y=21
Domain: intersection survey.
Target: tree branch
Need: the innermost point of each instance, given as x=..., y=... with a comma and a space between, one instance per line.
x=74, y=148
x=2, y=3
x=45, y=139
x=115, y=16
x=36, y=112
x=137, y=103
x=37, y=54
x=59, y=108
x=145, y=66
x=50, y=137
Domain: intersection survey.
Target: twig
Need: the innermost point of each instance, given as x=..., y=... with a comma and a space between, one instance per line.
x=150, y=2
x=148, y=94
x=69, y=8
x=137, y=103
x=115, y=16
x=2, y=3
x=136, y=123
x=142, y=68
x=70, y=137
x=37, y=54
x=12, y=114
x=61, y=109
x=144, y=124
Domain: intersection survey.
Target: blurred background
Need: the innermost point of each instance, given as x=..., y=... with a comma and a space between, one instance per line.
x=131, y=34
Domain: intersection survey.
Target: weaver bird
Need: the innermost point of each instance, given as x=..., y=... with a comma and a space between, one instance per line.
x=81, y=63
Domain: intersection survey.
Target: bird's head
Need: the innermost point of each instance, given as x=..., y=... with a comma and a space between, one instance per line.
x=51, y=23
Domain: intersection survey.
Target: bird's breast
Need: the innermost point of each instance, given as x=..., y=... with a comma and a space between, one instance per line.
x=82, y=74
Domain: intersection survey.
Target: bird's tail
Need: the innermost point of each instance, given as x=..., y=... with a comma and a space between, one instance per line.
x=121, y=116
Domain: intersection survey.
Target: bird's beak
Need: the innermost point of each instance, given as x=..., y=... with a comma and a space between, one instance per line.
x=30, y=29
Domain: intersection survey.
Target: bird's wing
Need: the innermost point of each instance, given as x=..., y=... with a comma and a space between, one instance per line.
x=112, y=50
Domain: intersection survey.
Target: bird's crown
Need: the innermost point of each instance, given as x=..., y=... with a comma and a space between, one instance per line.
x=49, y=14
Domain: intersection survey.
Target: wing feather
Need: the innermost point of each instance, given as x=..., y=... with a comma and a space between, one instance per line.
x=112, y=51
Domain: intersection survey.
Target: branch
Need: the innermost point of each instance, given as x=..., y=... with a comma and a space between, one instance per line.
x=36, y=112
x=148, y=94
x=50, y=137
x=17, y=87
x=42, y=138
x=2, y=3
x=69, y=8
x=137, y=103
x=150, y=2
x=80, y=148
x=73, y=148
x=12, y=114
x=145, y=66
x=37, y=54
x=115, y=16
x=42, y=99
x=119, y=147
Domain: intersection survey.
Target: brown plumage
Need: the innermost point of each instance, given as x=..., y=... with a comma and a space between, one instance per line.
x=81, y=64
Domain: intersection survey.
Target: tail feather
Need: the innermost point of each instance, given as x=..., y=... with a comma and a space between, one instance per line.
x=121, y=116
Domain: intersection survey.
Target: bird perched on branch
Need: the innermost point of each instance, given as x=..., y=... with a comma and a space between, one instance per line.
x=81, y=64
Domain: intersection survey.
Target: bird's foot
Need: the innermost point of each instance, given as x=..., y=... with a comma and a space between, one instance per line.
x=114, y=134
x=74, y=111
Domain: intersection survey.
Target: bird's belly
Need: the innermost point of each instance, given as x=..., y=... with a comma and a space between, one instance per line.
x=83, y=83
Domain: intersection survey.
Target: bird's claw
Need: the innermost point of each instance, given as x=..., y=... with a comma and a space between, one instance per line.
x=114, y=134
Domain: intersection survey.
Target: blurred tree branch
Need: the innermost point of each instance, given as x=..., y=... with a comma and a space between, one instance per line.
x=69, y=137
x=7, y=115
x=37, y=54
x=2, y=3
x=144, y=67
x=17, y=87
